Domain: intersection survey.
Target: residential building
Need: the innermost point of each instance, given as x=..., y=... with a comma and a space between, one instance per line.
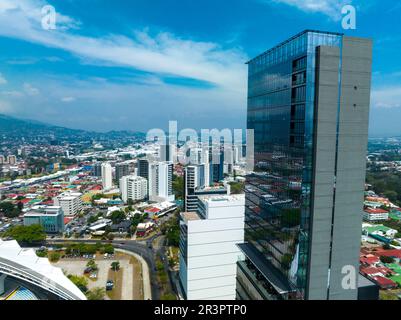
x=50, y=218
x=165, y=181
x=308, y=106
x=107, y=176
x=373, y=215
x=70, y=202
x=160, y=179
x=133, y=188
x=11, y=159
x=208, y=248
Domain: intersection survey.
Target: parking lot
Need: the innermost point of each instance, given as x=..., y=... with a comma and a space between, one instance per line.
x=130, y=275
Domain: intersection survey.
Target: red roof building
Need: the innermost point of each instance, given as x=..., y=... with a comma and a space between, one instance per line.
x=384, y=283
x=369, y=260
x=395, y=253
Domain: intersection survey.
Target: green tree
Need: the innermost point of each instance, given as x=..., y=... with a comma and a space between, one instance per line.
x=92, y=264
x=237, y=187
x=117, y=216
x=96, y=294
x=178, y=187
x=80, y=282
x=168, y=296
x=9, y=210
x=386, y=259
x=54, y=256
x=27, y=234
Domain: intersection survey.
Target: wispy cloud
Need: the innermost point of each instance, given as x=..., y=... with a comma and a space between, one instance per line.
x=68, y=99
x=389, y=97
x=330, y=8
x=163, y=53
x=30, y=90
x=2, y=79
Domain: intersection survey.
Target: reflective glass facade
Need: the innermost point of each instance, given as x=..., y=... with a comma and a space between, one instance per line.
x=281, y=93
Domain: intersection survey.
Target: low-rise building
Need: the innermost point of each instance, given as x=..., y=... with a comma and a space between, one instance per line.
x=375, y=214
x=143, y=229
x=50, y=218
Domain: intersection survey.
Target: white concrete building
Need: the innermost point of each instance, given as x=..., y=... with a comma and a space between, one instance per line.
x=107, y=176
x=208, y=248
x=375, y=214
x=70, y=202
x=134, y=188
x=166, y=181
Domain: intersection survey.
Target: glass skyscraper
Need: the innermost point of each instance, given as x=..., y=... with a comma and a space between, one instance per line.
x=308, y=104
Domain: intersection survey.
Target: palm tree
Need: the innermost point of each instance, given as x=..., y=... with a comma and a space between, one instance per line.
x=115, y=266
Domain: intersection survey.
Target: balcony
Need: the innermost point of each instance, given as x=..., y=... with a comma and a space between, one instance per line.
x=262, y=288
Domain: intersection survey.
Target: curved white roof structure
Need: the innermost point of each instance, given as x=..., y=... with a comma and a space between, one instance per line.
x=25, y=265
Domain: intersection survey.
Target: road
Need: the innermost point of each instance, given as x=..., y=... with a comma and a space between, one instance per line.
x=140, y=248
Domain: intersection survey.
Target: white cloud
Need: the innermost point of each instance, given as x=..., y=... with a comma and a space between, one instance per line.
x=30, y=90
x=2, y=79
x=12, y=93
x=163, y=53
x=389, y=97
x=68, y=99
x=331, y=8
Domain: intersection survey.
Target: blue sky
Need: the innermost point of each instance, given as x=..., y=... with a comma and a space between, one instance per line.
x=137, y=64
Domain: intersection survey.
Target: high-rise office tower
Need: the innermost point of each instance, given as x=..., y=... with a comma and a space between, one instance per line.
x=308, y=104
x=97, y=169
x=122, y=170
x=143, y=168
x=107, y=176
x=193, y=180
x=167, y=152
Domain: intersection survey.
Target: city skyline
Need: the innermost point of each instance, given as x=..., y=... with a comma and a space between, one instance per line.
x=151, y=63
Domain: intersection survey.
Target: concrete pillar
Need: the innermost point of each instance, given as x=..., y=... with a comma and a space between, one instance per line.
x=2, y=278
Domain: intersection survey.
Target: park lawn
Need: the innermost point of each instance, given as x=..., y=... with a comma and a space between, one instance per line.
x=117, y=277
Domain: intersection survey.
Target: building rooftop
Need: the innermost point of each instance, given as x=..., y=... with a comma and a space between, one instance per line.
x=293, y=38
x=215, y=199
x=375, y=211
x=190, y=216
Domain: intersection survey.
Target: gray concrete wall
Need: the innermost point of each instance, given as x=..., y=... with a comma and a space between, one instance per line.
x=351, y=162
x=326, y=107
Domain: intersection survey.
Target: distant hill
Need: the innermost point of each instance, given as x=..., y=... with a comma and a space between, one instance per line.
x=10, y=125
x=14, y=127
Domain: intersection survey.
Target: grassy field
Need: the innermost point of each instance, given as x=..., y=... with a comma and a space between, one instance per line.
x=138, y=279
x=117, y=277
